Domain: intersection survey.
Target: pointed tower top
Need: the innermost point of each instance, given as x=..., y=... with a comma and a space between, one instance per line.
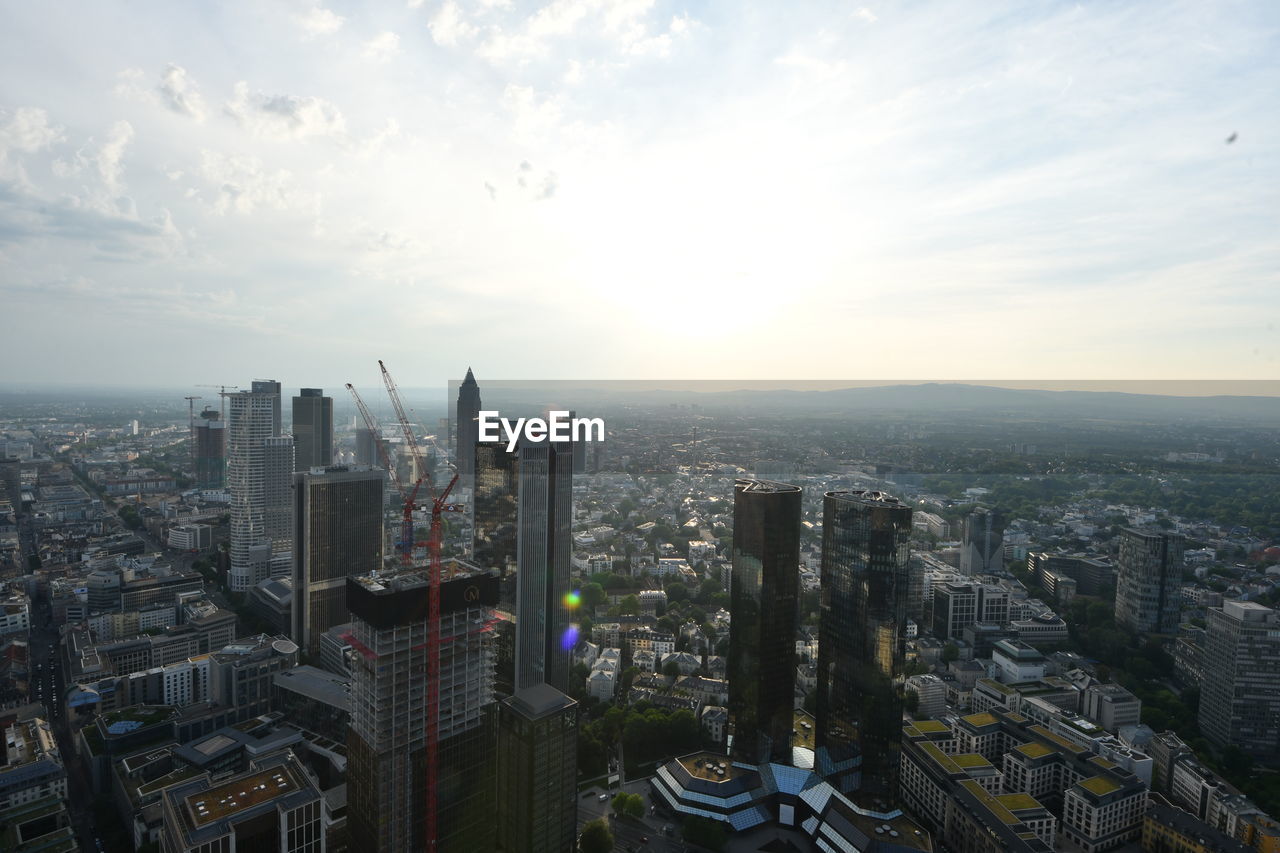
x=470, y=376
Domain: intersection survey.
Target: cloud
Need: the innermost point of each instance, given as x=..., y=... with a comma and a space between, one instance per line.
x=110, y=156
x=284, y=116
x=866, y=14
x=382, y=47
x=491, y=190
x=531, y=114
x=27, y=130
x=178, y=93
x=622, y=27
x=550, y=183
x=319, y=21
x=448, y=27
x=243, y=185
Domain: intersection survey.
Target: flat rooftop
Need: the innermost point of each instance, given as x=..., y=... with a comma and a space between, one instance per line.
x=711, y=768
x=229, y=798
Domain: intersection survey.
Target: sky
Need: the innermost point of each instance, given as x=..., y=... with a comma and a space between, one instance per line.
x=210, y=192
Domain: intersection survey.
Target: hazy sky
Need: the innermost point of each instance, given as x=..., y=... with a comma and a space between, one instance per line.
x=211, y=192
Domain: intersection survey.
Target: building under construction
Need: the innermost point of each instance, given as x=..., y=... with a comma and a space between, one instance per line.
x=387, y=738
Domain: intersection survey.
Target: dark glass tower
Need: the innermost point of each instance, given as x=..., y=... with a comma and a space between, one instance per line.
x=544, y=542
x=861, y=642
x=312, y=429
x=468, y=430
x=493, y=523
x=209, y=437
x=1149, y=581
x=337, y=533
x=538, y=772
x=982, y=549
x=762, y=635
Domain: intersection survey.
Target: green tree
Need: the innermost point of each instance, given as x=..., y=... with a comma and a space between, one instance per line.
x=596, y=837
x=705, y=832
x=593, y=595
x=950, y=652
x=671, y=669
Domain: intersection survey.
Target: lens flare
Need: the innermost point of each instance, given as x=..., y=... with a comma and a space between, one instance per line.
x=570, y=638
x=572, y=599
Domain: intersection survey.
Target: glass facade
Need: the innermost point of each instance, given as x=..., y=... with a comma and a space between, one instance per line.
x=493, y=521
x=312, y=429
x=339, y=533
x=764, y=594
x=544, y=543
x=862, y=641
x=468, y=408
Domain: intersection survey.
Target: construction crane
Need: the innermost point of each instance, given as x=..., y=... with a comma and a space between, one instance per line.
x=222, y=395
x=371, y=424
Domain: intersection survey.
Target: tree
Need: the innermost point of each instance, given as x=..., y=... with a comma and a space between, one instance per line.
x=596, y=837
x=671, y=669
x=629, y=605
x=705, y=832
x=950, y=652
x=593, y=595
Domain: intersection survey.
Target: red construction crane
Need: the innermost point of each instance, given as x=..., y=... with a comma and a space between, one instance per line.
x=439, y=505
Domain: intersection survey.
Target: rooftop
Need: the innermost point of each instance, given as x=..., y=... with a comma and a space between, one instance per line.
x=1100, y=785
x=236, y=795
x=931, y=727
x=710, y=767
x=983, y=719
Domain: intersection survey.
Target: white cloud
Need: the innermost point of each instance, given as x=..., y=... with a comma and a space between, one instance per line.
x=866, y=14
x=448, y=27
x=243, y=185
x=178, y=92
x=285, y=116
x=382, y=47
x=110, y=156
x=27, y=130
x=532, y=115
x=319, y=21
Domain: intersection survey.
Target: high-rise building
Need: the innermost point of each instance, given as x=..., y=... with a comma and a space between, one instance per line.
x=277, y=491
x=468, y=428
x=862, y=641
x=386, y=741
x=312, y=429
x=544, y=540
x=209, y=443
x=537, y=772
x=1239, y=705
x=764, y=594
x=494, y=501
x=337, y=534
x=1149, y=581
x=982, y=548
x=367, y=447
x=253, y=418
x=579, y=451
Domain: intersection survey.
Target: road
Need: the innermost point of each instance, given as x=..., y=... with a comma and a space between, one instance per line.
x=627, y=832
x=49, y=685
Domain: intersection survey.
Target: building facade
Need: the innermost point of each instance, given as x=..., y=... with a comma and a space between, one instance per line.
x=544, y=545
x=982, y=548
x=338, y=533
x=467, y=427
x=1239, y=703
x=862, y=641
x=1149, y=581
x=253, y=418
x=764, y=593
x=312, y=429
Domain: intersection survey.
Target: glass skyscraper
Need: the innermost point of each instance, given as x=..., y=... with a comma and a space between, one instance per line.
x=764, y=593
x=312, y=429
x=862, y=641
x=468, y=431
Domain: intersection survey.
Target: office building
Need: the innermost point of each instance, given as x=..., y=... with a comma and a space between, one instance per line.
x=982, y=548
x=312, y=429
x=277, y=493
x=253, y=418
x=764, y=594
x=493, y=506
x=1239, y=703
x=338, y=533
x=467, y=427
x=274, y=806
x=386, y=742
x=544, y=540
x=209, y=449
x=367, y=448
x=862, y=642
x=537, y=793
x=1149, y=581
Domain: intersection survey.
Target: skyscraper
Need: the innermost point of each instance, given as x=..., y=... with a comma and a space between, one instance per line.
x=209, y=440
x=1149, y=581
x=494, y=502
x=467, y=428
x=862, y=641
x=1239, y=705
x=386, y=741
x=982, y=548
x=312, y=429
x=253, y=417
x=277, y=491
x=367, y=447
x=764, y=595
x=543, y=550
x=337, y=533
x=538, y=772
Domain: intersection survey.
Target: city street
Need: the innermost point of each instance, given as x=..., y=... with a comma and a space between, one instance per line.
x=628, y=832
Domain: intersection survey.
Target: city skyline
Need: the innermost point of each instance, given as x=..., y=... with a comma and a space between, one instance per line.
x=1044, y=175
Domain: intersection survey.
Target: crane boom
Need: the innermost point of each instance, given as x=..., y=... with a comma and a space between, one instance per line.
x=410, y=440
